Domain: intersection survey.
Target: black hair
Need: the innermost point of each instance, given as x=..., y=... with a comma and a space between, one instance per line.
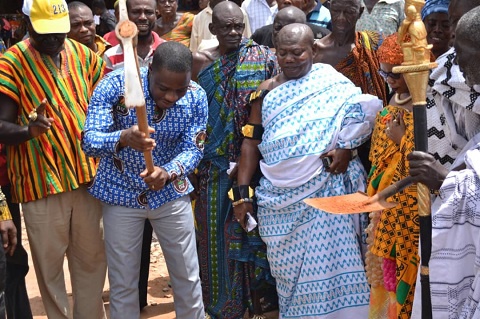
x=172, y=56
x=99, y=4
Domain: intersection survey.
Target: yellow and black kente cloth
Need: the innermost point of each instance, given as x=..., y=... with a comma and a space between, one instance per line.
x=397, y=232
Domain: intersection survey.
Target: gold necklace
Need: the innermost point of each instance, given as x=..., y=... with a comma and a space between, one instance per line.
x=400, y=101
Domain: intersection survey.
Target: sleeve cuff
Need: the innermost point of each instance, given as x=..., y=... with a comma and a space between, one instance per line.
x=112, y=142
x=174, y=170
x=5, y=213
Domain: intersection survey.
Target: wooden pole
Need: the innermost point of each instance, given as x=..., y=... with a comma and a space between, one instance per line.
x=416, y=70
x=126, y=32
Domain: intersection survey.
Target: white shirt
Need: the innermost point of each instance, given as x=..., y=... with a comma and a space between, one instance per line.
x=259, y=13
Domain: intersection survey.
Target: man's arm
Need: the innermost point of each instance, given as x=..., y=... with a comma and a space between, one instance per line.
x=356, y=128
x=14, y=134
x=425, y=169
x=200, y=61
x=99, y=137
x=250, y=154
x=8, y=230
x=190, y=150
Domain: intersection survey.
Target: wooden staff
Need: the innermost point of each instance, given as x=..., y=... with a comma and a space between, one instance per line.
x=126, y=32
x=416, y=69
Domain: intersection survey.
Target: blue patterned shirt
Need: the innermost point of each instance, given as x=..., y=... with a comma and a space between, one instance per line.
x=179, y=135
x=320, y=16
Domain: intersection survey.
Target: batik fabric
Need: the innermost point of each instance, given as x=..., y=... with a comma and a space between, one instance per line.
x=182, y=31
x=314, y=256
x=229, y=258
x=361, y=65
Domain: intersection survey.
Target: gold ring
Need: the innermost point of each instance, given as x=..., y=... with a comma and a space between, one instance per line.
x=32, y=116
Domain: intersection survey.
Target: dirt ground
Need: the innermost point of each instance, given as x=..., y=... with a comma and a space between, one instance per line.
x=160, y=296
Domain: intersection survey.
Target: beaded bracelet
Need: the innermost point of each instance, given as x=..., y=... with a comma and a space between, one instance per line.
x=241, y=201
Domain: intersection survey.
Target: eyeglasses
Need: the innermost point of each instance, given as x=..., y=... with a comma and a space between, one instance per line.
x=392, y=75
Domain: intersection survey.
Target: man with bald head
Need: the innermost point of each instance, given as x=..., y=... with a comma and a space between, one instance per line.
x=201, y=32
x=229, y=72
x=467, y=46
x=82, y=28
x=310, y=111
x=287, y=15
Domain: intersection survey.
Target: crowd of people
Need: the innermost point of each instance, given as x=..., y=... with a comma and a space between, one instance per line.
x=252, y=107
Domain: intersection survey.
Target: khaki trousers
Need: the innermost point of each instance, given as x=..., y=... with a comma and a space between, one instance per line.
x=68, y=224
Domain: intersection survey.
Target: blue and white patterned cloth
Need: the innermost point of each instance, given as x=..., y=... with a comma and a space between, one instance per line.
x=434, y=6
x=314, y=256
x=320, y=16
x=179, y=135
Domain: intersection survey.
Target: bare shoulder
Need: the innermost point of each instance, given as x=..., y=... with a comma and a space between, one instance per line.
x=324, y=43
x=202, y=59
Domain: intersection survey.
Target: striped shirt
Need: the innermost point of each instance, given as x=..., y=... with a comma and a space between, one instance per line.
x=53, y=162
x=114, y=56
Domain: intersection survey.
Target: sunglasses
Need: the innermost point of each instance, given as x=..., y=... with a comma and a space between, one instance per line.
x=392, y=75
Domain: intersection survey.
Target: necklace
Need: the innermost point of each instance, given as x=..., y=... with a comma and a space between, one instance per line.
x=400, y=101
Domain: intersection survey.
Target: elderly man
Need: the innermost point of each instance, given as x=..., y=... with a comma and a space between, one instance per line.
x=352, y=53
x=82, y=28
x=229, y=73
x=454, y=266
x=45, y=85
x=177, y=112
x=309, y=112
x=287, y=15
x=201, y=31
